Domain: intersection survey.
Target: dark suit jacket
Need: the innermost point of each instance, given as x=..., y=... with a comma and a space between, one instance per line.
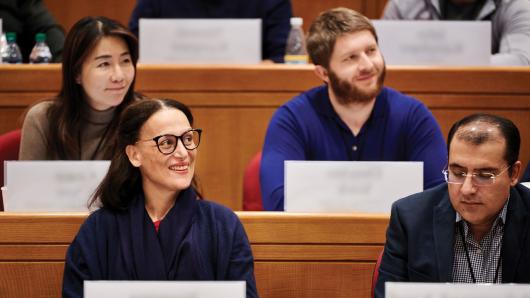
x=420, y=238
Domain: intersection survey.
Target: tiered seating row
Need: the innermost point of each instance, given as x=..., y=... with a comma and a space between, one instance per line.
x=233, y=104
x=296, y=255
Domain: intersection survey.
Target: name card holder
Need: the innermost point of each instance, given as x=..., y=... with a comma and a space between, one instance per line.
x=200, y=41
x=48, y=186
x=174, y=289
x=456, y=43
x=349, y=186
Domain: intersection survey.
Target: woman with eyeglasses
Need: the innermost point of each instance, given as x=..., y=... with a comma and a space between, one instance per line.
x=98, y=75
x=152, y=223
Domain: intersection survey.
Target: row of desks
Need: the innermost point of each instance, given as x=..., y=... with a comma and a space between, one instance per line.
x=233, y=104
x=296, y=255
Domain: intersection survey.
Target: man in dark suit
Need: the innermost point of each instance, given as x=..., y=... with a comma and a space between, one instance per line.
x=475, y=228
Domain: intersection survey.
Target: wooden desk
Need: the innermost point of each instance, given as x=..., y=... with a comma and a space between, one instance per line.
x=296, y=255
x=233, y=104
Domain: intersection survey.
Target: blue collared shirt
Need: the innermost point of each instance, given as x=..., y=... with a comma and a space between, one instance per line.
x=400, y=128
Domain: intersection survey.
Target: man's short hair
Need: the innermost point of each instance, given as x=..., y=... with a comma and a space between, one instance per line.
x=506, y=128
x=328, y=26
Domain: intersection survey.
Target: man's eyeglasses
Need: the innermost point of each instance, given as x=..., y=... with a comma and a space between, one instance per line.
x=167, y=144
x=477, y=178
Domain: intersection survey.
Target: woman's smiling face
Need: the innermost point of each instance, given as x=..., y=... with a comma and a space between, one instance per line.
x=172, y=172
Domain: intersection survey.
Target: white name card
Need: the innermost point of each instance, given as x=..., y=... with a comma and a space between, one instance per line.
x=200, y=41
x=164, y=289
x=434, y=42
x=47, y=186
x=1, y=39
x=349, y=186
x=456, y=290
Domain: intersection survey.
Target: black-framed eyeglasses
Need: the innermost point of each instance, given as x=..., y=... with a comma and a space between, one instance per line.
x=168, y=143
x=481, y=178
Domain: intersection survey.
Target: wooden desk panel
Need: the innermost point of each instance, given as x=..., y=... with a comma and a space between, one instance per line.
x=233, y=104
x=31, y=279
x=307, y=280
x=296, y=255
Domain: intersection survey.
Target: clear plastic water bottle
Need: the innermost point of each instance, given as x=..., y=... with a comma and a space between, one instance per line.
x=11, y=53
x=3, y=45
x=41, y=52
x=295, y=51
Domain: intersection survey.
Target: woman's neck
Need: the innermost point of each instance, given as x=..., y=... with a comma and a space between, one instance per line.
x=158, y=203
x=94, y=116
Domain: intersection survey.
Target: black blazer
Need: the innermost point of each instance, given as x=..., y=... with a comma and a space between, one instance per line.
x=420, y=239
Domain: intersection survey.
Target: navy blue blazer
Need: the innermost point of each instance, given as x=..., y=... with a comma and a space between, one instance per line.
x=197, y=240
x=420, y=239
x=274, y=14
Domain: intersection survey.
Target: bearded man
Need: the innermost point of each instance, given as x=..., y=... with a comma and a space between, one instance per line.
x=352, y=116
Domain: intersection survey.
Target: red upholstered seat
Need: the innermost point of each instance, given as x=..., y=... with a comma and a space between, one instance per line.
x=9, y=145
x=251, y=187
x=375, y=274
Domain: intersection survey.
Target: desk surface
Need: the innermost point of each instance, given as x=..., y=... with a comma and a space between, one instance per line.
x=280, y=77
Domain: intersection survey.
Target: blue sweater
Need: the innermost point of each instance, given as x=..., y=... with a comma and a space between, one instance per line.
x=400, y=128
x=274, y=15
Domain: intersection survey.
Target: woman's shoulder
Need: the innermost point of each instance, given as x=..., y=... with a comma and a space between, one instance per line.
x=219, y=212
x=98, y=219
x=42, y=106
x=221, y=221
x=39, y=110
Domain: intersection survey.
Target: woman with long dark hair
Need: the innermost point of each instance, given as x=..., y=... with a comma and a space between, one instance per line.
x=98, y=74
x=152, y=223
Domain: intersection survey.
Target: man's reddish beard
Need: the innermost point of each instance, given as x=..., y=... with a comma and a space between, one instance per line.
x=347, y=93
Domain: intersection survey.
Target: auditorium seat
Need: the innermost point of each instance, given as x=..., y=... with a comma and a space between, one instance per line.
x=9, y=145
x=375, y=275
x=251, y=188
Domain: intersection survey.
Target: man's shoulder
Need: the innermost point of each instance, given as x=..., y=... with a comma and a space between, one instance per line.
x=513, y=3
x=524, y=194
x=399, y=99
x=303, y=108
x=305, y=99
x=407, y=3
x=407, y=7
x=424, y=200
x=403, y=107
x=508, y=8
